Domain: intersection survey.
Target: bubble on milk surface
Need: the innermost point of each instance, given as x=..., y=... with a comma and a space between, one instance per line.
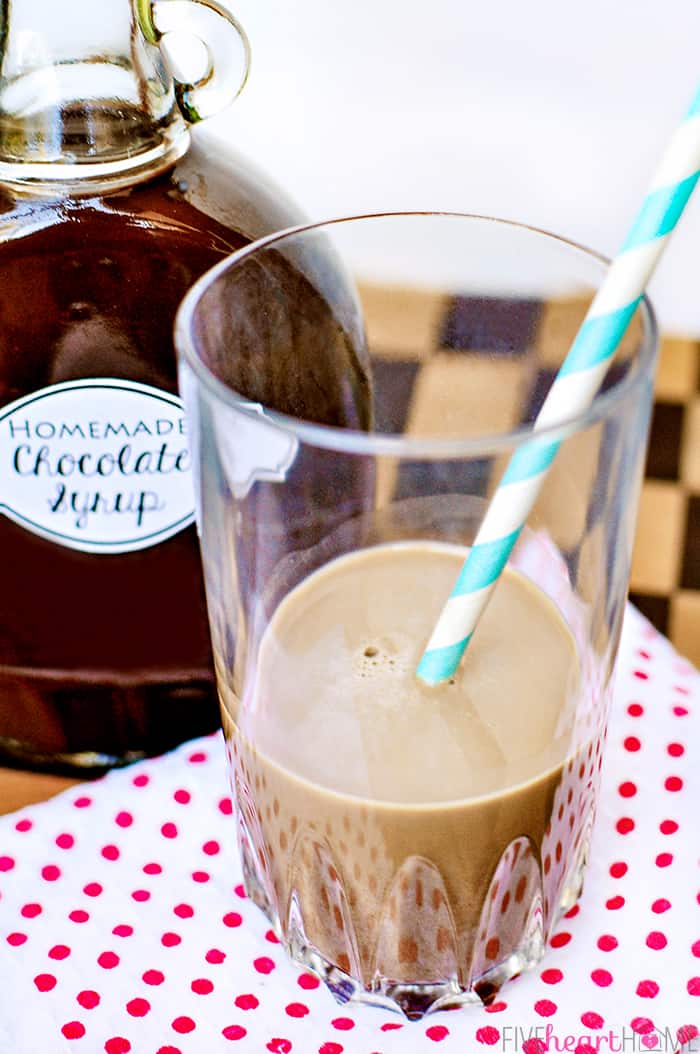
x=388, y=655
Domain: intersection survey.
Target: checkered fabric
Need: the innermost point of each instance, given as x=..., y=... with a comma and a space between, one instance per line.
x=424, y=336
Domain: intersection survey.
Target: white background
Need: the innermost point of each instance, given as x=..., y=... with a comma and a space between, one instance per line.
x=546, y=111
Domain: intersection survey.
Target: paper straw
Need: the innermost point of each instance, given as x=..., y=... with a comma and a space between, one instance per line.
x=571, y=393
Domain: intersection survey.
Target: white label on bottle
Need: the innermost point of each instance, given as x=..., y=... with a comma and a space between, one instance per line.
x=100, y=465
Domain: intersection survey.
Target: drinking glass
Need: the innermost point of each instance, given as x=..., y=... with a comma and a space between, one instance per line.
x=355, y=390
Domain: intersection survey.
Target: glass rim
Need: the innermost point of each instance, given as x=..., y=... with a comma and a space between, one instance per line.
x=428, y=447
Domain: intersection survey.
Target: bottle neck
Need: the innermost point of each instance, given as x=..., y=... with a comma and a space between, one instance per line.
x=84, y=96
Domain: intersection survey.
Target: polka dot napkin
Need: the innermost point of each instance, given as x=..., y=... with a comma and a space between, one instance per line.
x=124, y=925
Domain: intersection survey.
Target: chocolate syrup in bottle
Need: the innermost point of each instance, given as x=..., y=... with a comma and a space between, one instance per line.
x=110, y=208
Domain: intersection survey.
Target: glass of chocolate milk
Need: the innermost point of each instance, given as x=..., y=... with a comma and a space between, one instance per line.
x=413, y=846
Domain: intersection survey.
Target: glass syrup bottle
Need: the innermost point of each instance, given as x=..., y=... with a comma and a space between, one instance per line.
x=111, y=205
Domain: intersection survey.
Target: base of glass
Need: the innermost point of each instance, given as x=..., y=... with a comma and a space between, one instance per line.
x=414, y=1000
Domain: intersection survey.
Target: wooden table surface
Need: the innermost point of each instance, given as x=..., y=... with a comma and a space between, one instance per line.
x=18, y=789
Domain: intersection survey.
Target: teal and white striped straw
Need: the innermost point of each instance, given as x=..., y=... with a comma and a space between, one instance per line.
x=571, y=393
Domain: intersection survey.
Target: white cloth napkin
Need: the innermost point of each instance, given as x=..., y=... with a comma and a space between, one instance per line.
x=124, y=925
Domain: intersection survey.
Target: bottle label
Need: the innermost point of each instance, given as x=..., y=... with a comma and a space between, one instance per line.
x=99, y=465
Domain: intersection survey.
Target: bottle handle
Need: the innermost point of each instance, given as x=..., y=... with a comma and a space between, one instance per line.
x=222, y=38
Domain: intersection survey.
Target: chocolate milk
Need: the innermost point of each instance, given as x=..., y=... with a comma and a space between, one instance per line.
x=401, y=835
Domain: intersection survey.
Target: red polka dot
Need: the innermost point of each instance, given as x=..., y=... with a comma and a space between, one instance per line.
x=642, y=1025
x=627, y=789
x=16, y=939
x=200, y=876
x=117, y=1045
x=545, y=1007
x=647, y=989
x=572, y=912
x=607, y=942
x=390, y=1026
x=618, y=869
x=215, y=957
x=668, y=826
x=560, y=939
x=23, y=826
x=488, y=1035
x=632, y=744
x=211, y=848
x=153, y=977
x=330, y=1048
x=63, y=841
x=138, y=1007
x=676, y=750
x=239, y=890
x=79, y=915
x=680, y=711
x=308, y=982
x=664, y=860
x=247, y=1001
x=615, y=903
x=297, y=1009
x=73, y=1030
x=551, y=976
x=635, y=710
x=152, y=869
x=59, y=951
x=695, y=949
x=82, y=802
x=496, y=1008
x=183, y=1025
x=170, y=939
x=124, y=819
x=232, y=919
x=169, y=830
x=264, y=964
x=592, y=1020
x=88, y=999
x=673, y=784
x=693, y=986
x=202, y=986
x=108, y=960
x=92, y=889
x=278, y=1045
x=142, y=780
x=602, y=978
x=50, y=873
x=110, y=852
x=271, y=936
x=624, y=825
x=168, y=1050
x=45, y=982
x=437, y=1033
x=234, y=1032
x=226, y=806
x=140, y=896
x=534, y=1046
x=30, y=911
x=198, y=757
x=182, y=797
x=686, y=1033
x=344, y=1024
x=123, y=930
x=641, y=675
x=183, y=911
x=656, y=940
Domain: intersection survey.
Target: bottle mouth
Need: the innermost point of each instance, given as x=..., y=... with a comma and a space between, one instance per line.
x=87, y=120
